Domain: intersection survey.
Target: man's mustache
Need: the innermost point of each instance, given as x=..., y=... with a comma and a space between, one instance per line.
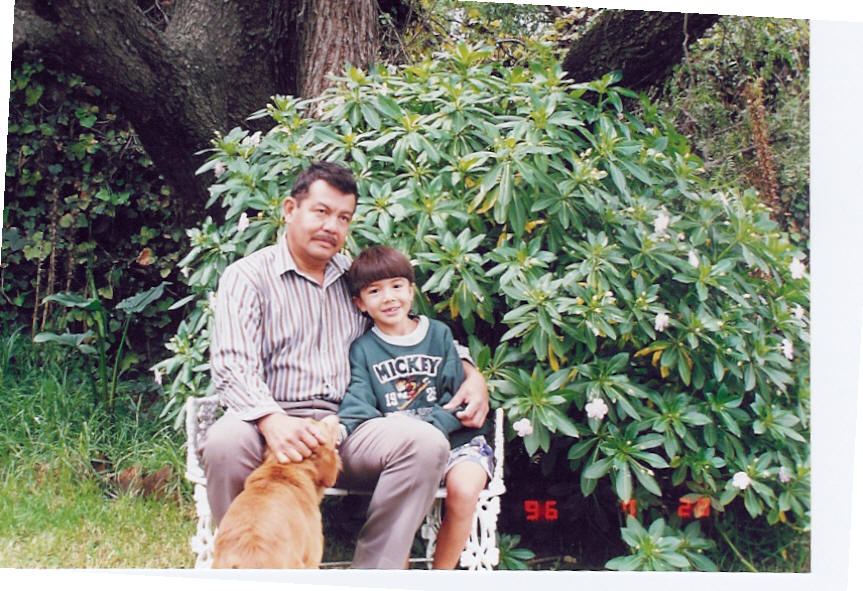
x=326, y=238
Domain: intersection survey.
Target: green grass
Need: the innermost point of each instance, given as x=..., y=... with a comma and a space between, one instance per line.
x=51, y=517
x=60, y=506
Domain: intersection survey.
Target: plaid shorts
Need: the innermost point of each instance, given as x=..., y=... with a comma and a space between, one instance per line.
x=476, y=450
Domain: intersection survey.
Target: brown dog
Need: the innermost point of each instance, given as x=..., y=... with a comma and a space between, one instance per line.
x=276, y=521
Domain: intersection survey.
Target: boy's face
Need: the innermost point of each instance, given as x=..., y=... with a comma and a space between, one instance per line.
x=388, y=302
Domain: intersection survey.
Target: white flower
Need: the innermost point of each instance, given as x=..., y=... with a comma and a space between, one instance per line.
x=185, y=272
x=784, y=475
x=797, y=268
x=157, y=376
x=596, y=409
x=661, y=322
x=211, y=300
x=219, y=169
x=788, y=349
x=253, y=140
x=741, y=480
x=798, y=312
x=693, y=258
x=243, y=223
x=523, y=427
x=660, y=224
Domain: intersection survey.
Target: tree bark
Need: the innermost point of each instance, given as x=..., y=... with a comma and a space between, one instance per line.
x=185, y=69
x=189, y=68
x=643, y=45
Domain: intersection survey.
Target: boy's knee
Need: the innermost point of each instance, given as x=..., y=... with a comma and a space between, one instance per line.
x=461, y=495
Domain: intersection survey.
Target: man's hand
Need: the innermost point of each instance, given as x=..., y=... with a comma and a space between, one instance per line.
x=290, y=438
x=474, y=394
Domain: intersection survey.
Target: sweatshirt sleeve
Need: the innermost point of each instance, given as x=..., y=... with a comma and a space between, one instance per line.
x=450, y=377
x=359, y=403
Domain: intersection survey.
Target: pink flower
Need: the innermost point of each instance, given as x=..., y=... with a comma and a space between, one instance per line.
x=596, y=409
x=219, y=169
x=797, y=268
x=252, y=140
x=741, y=480
x=784, y=475
x=243, y=223
x=788, y=349
x=660, y=224
x=523, y=427
x=693, y=258
x=661, y=322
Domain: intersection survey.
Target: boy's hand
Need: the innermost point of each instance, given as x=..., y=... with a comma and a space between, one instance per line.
x=290, y=438
x=474, y=394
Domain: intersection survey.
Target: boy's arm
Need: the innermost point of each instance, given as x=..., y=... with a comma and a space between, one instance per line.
x=472, y=394
x=359, y=403
x=450, y=377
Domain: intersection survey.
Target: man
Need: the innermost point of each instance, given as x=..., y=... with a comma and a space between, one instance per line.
x=284, y=321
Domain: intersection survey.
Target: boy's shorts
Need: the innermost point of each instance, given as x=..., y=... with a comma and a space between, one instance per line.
x=476, y=450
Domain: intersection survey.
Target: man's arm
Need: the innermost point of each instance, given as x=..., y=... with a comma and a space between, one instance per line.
x=236, y=366
x=289, y=438
x=237, y=371
x=473, y=392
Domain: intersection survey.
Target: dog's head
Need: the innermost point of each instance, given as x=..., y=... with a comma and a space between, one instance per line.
x=325, y=457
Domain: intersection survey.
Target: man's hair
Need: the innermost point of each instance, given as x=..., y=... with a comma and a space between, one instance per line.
x=336, y=175
x=376, y=263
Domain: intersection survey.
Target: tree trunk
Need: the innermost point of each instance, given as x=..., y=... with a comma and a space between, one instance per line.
x=336, y=32
x=643, y=45
x=184, y=69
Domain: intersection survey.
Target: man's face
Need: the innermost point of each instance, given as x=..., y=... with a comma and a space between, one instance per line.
x=318, y=225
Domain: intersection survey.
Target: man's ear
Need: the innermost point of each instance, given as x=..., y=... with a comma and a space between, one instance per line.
x=289, y=205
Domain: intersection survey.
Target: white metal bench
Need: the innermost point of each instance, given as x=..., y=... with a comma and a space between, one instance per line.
x=481, y=552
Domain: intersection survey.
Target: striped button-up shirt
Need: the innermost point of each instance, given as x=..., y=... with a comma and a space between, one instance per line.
x=278, y=335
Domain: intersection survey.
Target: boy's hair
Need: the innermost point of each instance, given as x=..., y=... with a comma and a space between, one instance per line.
x=336, y=175
x=376, y=263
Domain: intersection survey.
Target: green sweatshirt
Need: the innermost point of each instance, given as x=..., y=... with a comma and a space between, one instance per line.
x=414, y=374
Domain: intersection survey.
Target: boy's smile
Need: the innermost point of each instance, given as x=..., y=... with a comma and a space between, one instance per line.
x=388, y=302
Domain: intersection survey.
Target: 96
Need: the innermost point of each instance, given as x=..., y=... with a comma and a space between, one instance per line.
x=540, y=510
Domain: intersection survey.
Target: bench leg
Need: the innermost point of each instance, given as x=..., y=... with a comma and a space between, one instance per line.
x=431, y=527
x=481, y=552
x=202, y=541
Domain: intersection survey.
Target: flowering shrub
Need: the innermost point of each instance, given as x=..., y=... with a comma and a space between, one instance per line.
x=643, y=333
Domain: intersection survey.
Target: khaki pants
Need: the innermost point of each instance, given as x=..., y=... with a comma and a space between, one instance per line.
x=401, y=458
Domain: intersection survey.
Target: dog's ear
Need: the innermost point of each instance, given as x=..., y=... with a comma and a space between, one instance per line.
x=330, y=425
x=329, y=463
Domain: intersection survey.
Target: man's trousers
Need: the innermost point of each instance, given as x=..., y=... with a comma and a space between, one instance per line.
x=401, y=458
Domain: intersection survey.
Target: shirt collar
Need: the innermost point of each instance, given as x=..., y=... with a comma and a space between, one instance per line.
x=336, y=267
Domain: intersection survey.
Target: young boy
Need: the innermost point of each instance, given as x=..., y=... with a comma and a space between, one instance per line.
x=408, y=365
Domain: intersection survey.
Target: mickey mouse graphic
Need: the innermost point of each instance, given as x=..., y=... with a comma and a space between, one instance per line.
x=408, y=388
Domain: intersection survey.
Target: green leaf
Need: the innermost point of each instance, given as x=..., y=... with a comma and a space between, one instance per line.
x=597, y=469
x=138, y=302
x=633, y=562
x=74, y=300
x=623, y=483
